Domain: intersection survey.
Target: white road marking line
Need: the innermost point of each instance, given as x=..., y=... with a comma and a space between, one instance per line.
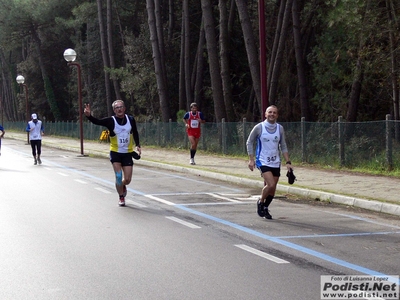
x=236, y=196
x=180, y=194
x=262, y=254
x=159, y=199
x=135, y=203
x=252, y=198
x=190, y=225
x=211, y=203
x=223, y=198
x=80, y=181
x=63, y=174
x=102, y=190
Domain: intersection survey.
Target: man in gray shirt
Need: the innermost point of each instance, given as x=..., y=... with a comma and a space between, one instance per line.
x=270, y=139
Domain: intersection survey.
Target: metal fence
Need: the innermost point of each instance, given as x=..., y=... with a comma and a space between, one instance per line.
x=374, y=145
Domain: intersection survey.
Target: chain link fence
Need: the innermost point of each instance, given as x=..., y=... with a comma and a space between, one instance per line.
x=374, y=145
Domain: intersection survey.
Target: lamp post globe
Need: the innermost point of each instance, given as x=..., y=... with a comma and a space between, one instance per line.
x=69, y=55
x=20, y=79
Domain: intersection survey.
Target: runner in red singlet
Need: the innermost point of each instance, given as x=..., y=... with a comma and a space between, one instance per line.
x=193, y=119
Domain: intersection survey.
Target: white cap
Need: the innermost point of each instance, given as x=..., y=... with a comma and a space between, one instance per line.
x=34, y=116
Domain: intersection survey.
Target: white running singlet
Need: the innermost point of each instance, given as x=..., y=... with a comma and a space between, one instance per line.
x=122, y=141
x=267, y=152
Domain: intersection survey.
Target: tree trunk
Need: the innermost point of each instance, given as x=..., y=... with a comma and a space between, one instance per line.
x=160, y=37
x=358, y=74
x=121, y=33
x=276, y=64
x=199, y=68
x=104, y=55
x=232, y=16
x=186, y=23
x=251, y=48
x=224, y=54
x=215, y=74
x=110, y=43
x=48, y=88
x=251, y=107
x=171, y=19
x=393, y=59
x=275, y=44
x=301, y=76
x=162, y=91
x=355, y=93
x=7, y=95
x=182, y=87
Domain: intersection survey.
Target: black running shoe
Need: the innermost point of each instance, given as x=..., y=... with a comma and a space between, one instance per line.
x=267, y=214
x=260, y=209
x=135, y=155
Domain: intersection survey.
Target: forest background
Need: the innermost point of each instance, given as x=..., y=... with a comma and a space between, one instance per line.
x=324, y=58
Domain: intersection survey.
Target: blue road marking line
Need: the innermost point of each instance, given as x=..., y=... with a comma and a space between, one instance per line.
x=296, y=247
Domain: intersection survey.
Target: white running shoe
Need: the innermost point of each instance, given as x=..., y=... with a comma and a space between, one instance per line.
x=192, y=161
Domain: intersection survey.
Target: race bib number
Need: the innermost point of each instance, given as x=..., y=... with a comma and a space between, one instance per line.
x=123, y=138
x=270, y=158
x=194, y=123
x=123, y=141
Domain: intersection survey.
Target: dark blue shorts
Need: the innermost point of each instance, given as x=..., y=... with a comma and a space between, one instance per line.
x=276, y=172
x=124, y=158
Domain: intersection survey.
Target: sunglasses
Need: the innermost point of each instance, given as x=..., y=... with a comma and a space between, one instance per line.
x=118, y=107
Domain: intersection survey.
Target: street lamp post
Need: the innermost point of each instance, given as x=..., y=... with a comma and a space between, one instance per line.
x=70, y=56
x=263, y=60
x=21, y=81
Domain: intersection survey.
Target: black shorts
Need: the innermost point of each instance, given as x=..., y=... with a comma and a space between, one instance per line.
x=276, y=172
x=124, y=158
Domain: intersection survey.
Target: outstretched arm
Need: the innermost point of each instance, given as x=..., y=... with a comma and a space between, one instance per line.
x=106, y=122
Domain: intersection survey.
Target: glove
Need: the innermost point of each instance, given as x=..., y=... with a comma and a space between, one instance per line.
x=291, y=177
x=135, y=155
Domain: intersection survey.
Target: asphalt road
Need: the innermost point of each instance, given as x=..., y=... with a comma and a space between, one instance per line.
x=63, y=236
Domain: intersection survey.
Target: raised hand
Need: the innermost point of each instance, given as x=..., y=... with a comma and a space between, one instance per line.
x=86, y=111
